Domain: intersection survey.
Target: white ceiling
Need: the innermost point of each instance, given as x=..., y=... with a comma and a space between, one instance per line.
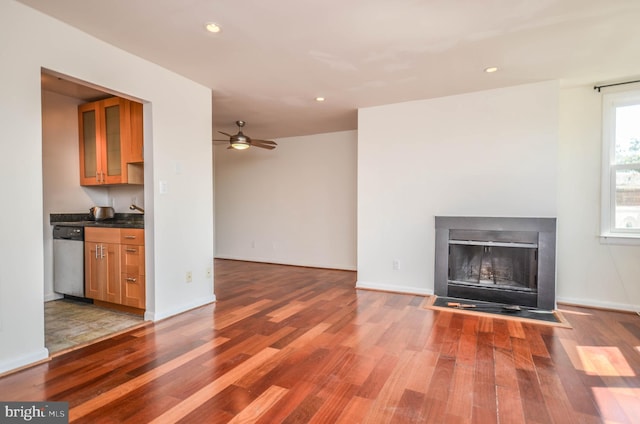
x=273, y=58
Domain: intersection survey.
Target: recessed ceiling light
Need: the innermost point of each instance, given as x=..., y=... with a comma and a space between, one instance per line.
x=490, y=69
x=213, y=27
x=320, y=99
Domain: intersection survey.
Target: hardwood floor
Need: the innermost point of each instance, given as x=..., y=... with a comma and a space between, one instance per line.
x=299, y=345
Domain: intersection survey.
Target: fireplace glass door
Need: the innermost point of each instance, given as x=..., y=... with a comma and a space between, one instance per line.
x=496, y=266
x=506, y=260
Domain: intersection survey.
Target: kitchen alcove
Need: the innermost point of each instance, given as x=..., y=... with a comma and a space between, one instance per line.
x=62, y=193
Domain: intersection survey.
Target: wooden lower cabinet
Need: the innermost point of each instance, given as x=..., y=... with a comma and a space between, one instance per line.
x=92, y=271
x=114, y=266
x=132, y=276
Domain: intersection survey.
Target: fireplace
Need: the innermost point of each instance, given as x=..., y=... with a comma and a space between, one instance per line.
x=502, y=260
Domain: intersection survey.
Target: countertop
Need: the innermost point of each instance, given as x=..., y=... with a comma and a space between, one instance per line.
x=120, y=220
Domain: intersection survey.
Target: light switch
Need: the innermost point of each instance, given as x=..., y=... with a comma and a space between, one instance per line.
x=163, y=187
x=177, y=166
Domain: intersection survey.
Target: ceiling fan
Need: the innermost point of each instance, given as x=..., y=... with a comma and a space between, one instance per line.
x=240, y=141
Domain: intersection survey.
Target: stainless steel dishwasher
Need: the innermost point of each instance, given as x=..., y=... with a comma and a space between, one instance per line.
x=68, y=260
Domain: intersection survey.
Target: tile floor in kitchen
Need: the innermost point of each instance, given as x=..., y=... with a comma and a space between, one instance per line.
x=70, y=323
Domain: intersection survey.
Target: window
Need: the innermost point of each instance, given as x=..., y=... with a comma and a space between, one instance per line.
x=621, y=165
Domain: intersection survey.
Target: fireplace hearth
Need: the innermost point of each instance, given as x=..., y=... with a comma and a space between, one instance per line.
x=502, y=260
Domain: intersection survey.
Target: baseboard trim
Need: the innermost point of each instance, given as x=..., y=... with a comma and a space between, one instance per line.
x=276, y=262
x=157, y=316
x=612, y=306
x=24, y=361
x=393, y=288
x=52, y=296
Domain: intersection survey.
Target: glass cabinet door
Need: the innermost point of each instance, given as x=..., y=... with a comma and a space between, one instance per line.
x=108, y=142
x=112, y=140
x=89, y=142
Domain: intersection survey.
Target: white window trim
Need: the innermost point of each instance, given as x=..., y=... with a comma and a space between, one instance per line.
x=608, y=233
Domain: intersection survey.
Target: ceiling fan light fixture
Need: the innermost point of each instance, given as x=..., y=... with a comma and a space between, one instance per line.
x=239, y=145
x=491, y=69
x=213, y=27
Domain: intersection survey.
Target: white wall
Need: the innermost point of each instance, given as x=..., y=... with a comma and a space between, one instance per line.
x=60, y=174
x=179, y=223
x=589, y=272
x=489, y=153
x=294, y=205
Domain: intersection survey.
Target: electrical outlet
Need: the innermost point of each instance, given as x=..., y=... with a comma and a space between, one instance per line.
x=396, y=265
x=189, y=277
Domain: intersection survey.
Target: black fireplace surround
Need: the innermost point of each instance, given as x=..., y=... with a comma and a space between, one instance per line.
x=502, y=260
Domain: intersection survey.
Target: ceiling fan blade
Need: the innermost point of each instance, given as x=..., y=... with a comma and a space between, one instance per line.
x=273, y=143
x=262, y=146
x=227, y=134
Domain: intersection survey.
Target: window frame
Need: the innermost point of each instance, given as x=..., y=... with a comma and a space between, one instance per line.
x=608, y=231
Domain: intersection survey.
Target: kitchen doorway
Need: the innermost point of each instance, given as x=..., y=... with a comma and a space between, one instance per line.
x=69, y=323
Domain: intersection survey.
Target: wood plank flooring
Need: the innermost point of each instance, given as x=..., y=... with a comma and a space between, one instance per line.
x=299, y=345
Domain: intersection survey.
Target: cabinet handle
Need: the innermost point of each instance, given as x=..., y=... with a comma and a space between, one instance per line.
x=131, y=279
x=96, y=251
x=102, y=250
x=131, y=250
x=130, y=237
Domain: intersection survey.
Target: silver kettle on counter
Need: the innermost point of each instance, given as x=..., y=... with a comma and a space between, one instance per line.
x=100, y=213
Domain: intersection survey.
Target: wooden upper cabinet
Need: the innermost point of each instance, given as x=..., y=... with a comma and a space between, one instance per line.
x=135, y=152
x=111, y=142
